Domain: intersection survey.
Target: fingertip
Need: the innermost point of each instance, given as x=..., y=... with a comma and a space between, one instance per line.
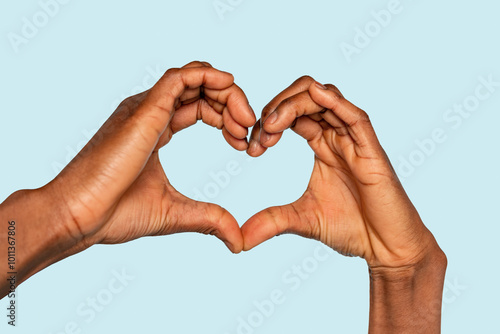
x=246, y=247
x=255, y=149
x=241, y=146
x=268, y=140
x=237, y=144
x=239, y=107
x=229, y=75
x=234, y=249
x=261, y=227
x=248, y=239
x=228, y=230
x=252, y=119
x=217, y=79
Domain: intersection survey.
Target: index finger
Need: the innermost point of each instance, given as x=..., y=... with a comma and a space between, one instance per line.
x=260, y=140
x=175, y=81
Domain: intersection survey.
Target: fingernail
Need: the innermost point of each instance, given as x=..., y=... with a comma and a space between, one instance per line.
x=264, y=136
x=272, y=118
x=320, y=86
x=253, y=146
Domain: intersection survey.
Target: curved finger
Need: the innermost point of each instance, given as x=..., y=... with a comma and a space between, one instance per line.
x=276, y=221
x=255, y=149
x=300, y=85
x=155, y=112
x=236, y=143
x=237, y=103
x=267, y=139
x=210, y=219
x=175, y=81
x=197, y=63
x=290, y=109
x=263, y=226
x=307, y=128
x=330, y=98
x=190, y=114
x=357, y=122
x=233, y=127
x=335, y=122
x=260, y=140
x=193, y=94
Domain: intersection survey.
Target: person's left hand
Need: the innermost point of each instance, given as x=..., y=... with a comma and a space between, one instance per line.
x=354, y=202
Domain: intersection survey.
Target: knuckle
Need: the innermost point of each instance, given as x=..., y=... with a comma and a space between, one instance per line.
x=335, y=90
x=332, y=87
x=172, y=72
x=305, y=79
x=128, y=101
x=365, y=117
x=289, y=102
x=192, y=64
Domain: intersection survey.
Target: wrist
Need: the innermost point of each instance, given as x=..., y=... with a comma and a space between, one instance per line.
x=408, y=298
x=42, y=236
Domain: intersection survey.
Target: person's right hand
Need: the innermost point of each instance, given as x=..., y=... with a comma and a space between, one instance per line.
x=115, y=190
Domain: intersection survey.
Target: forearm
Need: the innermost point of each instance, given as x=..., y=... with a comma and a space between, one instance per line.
x=38, y=235
x=408, y=300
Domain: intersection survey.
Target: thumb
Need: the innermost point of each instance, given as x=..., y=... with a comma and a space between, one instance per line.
x=211, y=219
x=272, y=222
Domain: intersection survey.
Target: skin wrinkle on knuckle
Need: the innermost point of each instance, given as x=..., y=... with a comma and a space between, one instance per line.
x=217, y=223
x=287, y=103
x=168, y=100
x=309, y=232
x=273, y=217
x=305, y=80
x=334, y=88
x=172, y=73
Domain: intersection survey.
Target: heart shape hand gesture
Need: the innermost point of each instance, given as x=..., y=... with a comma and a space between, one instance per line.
x=116, y=189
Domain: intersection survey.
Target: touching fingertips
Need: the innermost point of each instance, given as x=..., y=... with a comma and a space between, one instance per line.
x=253, y=147
x=231, y=247
x=242, y=145
x=264, y=137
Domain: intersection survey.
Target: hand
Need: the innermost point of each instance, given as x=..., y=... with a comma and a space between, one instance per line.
x=115, y=190
x=354, y=202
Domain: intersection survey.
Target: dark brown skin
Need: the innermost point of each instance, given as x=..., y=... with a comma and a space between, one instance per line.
x=355, y=204
x=115, y=191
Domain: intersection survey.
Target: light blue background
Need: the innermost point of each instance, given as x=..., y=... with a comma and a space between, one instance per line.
x=61, y=85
